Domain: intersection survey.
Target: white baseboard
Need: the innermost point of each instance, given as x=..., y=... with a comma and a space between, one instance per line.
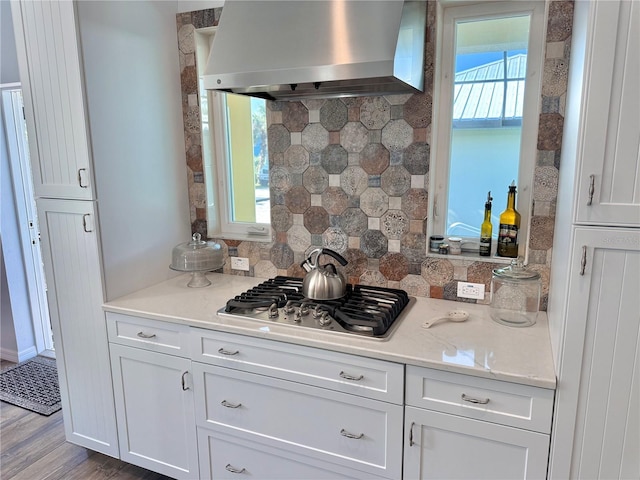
x=17, y=357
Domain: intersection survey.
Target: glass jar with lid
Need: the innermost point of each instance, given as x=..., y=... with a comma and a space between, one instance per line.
x=515, y=295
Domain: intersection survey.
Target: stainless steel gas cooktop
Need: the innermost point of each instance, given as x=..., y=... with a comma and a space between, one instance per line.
x=364, y=310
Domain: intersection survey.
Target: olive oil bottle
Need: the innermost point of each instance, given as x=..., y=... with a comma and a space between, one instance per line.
x=509, y=227
x=486, y=229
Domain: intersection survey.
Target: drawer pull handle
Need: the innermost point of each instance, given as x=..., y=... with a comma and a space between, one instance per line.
x=224, y=403
x=346, y=376
x=481, y=401
x=232, y=469
x=144, y=335
x=184, y=383
x=222, y=351
x=344, y=433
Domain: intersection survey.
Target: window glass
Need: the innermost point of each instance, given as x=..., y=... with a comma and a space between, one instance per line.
x=235, y=158
x=485, y=106
x=489, y=82
x=247, y=159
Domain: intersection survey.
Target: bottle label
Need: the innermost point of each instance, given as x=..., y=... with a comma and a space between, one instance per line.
x=485, y=246
x=508, y=240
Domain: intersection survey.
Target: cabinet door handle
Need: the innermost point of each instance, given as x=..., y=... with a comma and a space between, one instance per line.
x=583, y=261
x=411, y=434
x=222, y=351
x=481, y=401
x=232, y=469
x=224, y=403
x=80, y=170
x=346, y=376
x=85, y=223
x=344, y=433
x=146, y=335
x=184, y=383
x=592, y=188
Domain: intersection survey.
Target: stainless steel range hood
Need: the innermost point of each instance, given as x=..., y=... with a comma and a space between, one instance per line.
x=293, y=49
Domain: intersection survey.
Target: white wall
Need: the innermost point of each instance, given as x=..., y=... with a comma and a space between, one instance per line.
x=559, y=281
x=8, y=57
x=131, y=63
x=17, y=341
x=8, y=345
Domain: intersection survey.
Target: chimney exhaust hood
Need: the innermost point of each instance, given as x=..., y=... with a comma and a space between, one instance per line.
x=296, y=49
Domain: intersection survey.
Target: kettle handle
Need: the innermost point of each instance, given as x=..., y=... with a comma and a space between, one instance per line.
x=309, y=264
x=331, y=253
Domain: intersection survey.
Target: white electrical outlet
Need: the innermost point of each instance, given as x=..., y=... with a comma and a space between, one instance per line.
x=471, y=290
x=240, y=263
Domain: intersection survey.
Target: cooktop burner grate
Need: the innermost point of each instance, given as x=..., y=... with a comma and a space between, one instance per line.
x=364, y=310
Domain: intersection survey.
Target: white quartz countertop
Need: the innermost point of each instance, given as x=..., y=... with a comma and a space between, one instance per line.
x=478, y=346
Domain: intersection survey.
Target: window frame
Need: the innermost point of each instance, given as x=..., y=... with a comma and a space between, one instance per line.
x=217, y=176
x=448, y=13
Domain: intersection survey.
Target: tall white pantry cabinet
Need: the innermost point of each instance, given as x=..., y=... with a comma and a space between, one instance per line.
x=594, y=304
x=88, y=157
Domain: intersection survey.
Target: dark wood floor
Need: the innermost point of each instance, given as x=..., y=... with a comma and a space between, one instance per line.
x=33, y=447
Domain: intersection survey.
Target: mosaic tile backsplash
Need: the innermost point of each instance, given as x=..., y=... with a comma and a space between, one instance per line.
x=352, y=175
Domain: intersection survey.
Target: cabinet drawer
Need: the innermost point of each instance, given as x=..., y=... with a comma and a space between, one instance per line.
x=224, y=456
x=366, y=377
x=337, y=428
x=495, y=401
x=148, y=334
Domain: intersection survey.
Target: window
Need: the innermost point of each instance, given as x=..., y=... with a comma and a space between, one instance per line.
x=235, y=158
x=488, y=89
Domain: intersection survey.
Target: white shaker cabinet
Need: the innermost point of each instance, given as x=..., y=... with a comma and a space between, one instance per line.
x=441, y=446
x=464, y=427
x=598, y=409
x=154, y=395
x=83, y=145
x=52, y=83
x=71, y=255
x=594, y=299
x=260, y=400
x=608, y=185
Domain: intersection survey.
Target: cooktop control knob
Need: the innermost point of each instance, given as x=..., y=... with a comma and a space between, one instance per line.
x=273, y=311
x=289, y=308
x=324, y=319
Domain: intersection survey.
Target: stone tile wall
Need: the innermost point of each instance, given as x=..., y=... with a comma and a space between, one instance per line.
x=352, y=175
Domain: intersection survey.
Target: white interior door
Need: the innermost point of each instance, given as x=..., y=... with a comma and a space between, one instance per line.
x=16, y=133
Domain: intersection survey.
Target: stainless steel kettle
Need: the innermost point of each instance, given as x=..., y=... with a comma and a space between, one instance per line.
x=323, y=282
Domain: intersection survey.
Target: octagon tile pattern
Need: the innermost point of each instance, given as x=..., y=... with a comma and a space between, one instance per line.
x=352, y=174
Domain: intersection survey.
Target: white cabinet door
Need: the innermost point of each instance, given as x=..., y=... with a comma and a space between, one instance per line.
x=597, y=417
x=609, y=177
x=71, y=255
x=51, y=76
x=154, y=405
x=441, y=446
